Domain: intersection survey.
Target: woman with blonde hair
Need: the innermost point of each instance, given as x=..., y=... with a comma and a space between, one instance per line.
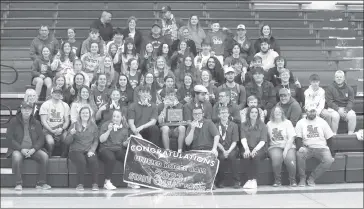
x=84, y=99
x=161, y=70
x=31, y=97
x=106, y=67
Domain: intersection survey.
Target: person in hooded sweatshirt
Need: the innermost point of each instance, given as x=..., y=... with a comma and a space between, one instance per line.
x=290, y=106
x=156, y=38
x=268, y=56
x=43, y=39
x=272, y=76
x=247, y=50
x=94, y=36
x=340, y=101
x=217, y=38
x=169, y=24
x=266, y=33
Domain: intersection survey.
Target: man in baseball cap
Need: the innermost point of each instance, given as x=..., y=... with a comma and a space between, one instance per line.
x=199, y=93
x=241, y=27
x=291, y=108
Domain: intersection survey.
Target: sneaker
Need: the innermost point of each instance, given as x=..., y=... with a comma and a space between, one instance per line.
x=108, y=185
x=236, y=185
x=293, y=183
x=311, y=182
x=254, y=184
x=247, y=184
x=43, y=186
x=134, y=186
x=302, y=182
x=18, y=187
x=80, y=187
x=277, y=183
x=95, y=187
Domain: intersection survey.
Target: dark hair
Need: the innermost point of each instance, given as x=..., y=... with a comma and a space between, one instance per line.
x=98, y=45
x=314, y=77
x=264, y=40
x=118, y=31
x=129, y=41
x=117, y=85
x=74, y=80
x=261, y=30
x=205, y=42
x=98, y=77
x=95, y=30
x=71, y=56
x=50, y=53
x=280, y=58
x=258, y=122
x=160, y=50
x=256, y=58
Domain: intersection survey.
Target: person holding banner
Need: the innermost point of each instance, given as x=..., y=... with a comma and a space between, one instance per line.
x=199, y=100
x=170, y=102
x=228, y=152
x=253, y=138
x=113, y=142
x=202, y=134
x=143, y=115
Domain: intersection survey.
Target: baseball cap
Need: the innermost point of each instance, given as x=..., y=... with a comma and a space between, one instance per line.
x=241, y=26
x=256, y=70
x=228, y=69
x=200, y=89
x=166, y=9
x=26, y=105
x=284, y=91
x=156, y=24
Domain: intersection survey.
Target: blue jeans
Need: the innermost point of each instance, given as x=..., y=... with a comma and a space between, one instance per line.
x=322, y=154
x=40, y=156
x=276, y=156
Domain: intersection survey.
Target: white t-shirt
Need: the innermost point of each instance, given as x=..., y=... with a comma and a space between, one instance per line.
x=56, y=112
x=279, y=133
x=267, y=59
x=314, y=133
x=315, y=98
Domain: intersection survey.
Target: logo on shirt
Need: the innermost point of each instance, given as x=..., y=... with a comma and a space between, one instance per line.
x=277, y=134
x=99, y=101
x=312, y=132
x=216, y=40
x=234, y=96
x=55, y=116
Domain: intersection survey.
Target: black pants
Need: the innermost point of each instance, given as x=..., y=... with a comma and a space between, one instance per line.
x=39, y=156
x=252, y=163
x=152, y=134
x=81, y=160
x=231, y=161
x=109, y=158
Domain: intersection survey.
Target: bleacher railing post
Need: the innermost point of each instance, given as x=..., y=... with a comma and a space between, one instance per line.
x=155, y=9
x=5, y=15
x=106, y=6
x=55, y=16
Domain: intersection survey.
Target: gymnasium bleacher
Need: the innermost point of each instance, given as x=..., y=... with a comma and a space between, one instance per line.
x=312, y=40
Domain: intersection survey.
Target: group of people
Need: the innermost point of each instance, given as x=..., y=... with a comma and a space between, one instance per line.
x=237, y=98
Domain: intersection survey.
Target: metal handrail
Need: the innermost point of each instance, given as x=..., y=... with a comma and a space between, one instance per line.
x=10, y=116
x=16, y=75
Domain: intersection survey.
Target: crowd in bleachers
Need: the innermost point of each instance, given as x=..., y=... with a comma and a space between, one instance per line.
x=237, y=96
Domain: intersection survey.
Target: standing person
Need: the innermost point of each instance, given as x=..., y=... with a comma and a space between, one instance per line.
x=246, y=47
x=217, y=38
x=314, y=138
x=94, y=37
x=55, y=118
x=253, y=138
x=340, y=102
x=196, y=31
x=237, y=92
x=143, y=115
x=26, y=140
x=178, y=56
x=266, y=33
x=199, y=100
x=315, y=95
x=75, y=45
x=103, y=24
x=281, y=146
x=191, y=46
x=148, y=58
x=134, y=33
x=170, y=102
x=228, y=151
x=262, y=89
x=83, y=139
x=41, y=71
x=165, y=51
x=113, y=143
x=169, y=24
x=292, y=110
x=268, y=56
x=133, y=73
x=42, y=40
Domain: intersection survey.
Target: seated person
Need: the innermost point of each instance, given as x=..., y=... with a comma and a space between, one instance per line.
x=186, y=68
x=94, y=36
x=252, y=102
x=30, y=96
x=63, y=63
x=43, y=39
x=296, y=91
x=273, y=74
x=170, y=102
x=292, y=110
x=149, y=82
x=235, y=55
x=237, y=92
x=253, y=138
x=340, y=102
x=228, y=151
x=126, y=90
x=84, y=99
x=26, y=139
x=55, y=118
x=185, y=37
x=78, y=82
x=217, y=38
x=206, y=81
x=256, y=62
x=202, y=133
x=313, y=139
x=113, y=143
x=100, y=92
x=41, y=72
x=143, y=115
x=266, y=34
x=105, y=67
x=184, y=93
x=315, y=95
x=216, y=71
x=262, y=89
x=91, y=60
x=267, y=54
x=168, y=83
x=241, y=71
x=225, y=101
x=200, y=60
x=83, y=140
x=199, y=100
x=105, y=112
